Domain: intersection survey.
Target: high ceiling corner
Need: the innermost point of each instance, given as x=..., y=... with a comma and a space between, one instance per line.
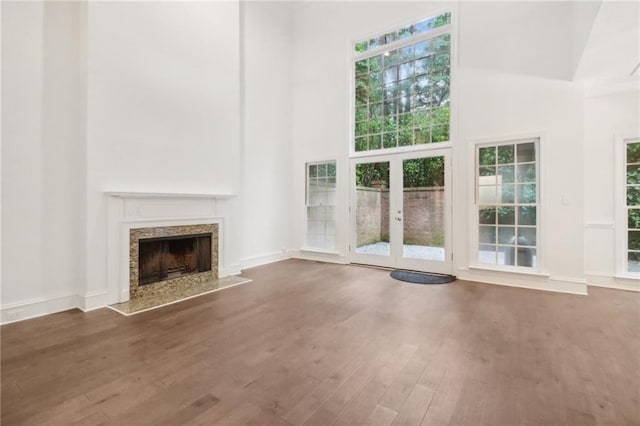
x=612, y=49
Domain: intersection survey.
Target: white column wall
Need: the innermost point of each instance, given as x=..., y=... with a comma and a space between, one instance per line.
x=163, y=109
x=266, y=29
x=609, y=117
x=43, y=157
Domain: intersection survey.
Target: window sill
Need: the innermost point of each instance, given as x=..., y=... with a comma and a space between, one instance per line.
x=634, y=277
x=512, y=270
x=319, y=250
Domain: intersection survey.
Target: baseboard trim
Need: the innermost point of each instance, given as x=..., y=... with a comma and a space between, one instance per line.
x=94, y=300
x=225, y=271
x=37, y=307
x=616, y=283
x=263, y=259
x=555, y=284
x=320, y=257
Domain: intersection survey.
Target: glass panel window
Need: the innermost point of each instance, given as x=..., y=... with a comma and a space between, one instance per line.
x=320, y=204
x=506, y=199
x=402, y=91
x=372, y=208
x=408, y=31
x=632, y=189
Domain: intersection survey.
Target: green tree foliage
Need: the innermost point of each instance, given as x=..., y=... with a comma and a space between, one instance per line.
x=366, y=173
x=417, y=173
x=423, y=172
x=403, y=96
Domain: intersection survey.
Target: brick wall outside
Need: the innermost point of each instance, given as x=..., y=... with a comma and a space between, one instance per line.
x=423, y=216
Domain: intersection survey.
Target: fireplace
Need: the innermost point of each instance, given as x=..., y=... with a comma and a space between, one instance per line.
x=171, y=259
x=165, y=258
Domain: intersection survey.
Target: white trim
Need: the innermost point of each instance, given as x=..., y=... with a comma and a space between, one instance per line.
x=616, y=283
x=234, y=269
x=520, y=270
x=263, y=259
x=405, y=149
x=620, y=207
x=397, y=25
x=531, y=281
x=317, y=250
x=599, y=225
x=335, y=205
x=166, y=195
x=37, y=307
x=395, y=258
x=399, y=44
x=92, y=301
x=320, y=257
x=452, y=30
x=538, y=138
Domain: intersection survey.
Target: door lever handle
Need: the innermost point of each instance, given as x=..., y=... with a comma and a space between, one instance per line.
x=398, y=219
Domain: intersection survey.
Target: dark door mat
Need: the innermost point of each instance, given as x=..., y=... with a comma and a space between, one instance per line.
x=421, y=277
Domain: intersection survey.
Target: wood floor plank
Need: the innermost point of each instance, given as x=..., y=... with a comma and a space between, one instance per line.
x=381, y=416
x=414, y=408
x=321, y=344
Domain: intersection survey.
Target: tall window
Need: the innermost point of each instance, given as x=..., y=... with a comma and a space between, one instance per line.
x=632, y=186
x=402, y=86
x=321, y=202
x=507, y=200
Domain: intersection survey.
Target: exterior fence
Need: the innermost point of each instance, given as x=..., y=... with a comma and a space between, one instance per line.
x=423, y=215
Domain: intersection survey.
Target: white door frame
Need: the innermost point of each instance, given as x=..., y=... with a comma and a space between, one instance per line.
x=395, y=258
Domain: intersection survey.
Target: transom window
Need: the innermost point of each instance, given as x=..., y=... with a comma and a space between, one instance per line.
x=632, y=187
x=402, y=87
x=507, y=200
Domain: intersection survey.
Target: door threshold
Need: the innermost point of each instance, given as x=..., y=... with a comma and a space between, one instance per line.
x=365, y=265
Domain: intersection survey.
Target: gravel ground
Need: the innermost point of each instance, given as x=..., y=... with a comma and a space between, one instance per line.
x=409, y=251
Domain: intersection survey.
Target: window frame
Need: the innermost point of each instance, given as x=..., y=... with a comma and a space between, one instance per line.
x=474, y=219
x=450, y=29
x=306, y=246
x=621, y=208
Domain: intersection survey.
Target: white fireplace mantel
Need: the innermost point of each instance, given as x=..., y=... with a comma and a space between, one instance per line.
x=120, y=194
x=128, y=210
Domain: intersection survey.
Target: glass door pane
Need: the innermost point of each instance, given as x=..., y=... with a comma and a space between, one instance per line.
x=424, y=207
x=372, y=199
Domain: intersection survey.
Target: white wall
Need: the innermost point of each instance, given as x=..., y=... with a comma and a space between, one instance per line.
x=321, y=97
x=42, y=156
x=266, y=194
x=498, y=106
x=607, y=116
x=163, y=108
x=611, y=111
x=495, y=101
x=530, y=38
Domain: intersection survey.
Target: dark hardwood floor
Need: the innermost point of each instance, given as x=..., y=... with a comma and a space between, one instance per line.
x=321, y=344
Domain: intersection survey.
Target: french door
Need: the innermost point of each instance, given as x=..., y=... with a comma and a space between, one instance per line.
x=401, y=211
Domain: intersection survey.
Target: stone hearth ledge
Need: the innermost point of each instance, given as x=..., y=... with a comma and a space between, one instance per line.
x=157, y=300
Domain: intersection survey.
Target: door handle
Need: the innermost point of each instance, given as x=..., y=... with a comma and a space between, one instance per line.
x=398, y=218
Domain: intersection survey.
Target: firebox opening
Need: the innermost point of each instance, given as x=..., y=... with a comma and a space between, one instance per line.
x=166, y=258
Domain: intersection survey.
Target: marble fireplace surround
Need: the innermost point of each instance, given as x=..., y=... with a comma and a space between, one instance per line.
x=136, y=213
x=175, y=284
